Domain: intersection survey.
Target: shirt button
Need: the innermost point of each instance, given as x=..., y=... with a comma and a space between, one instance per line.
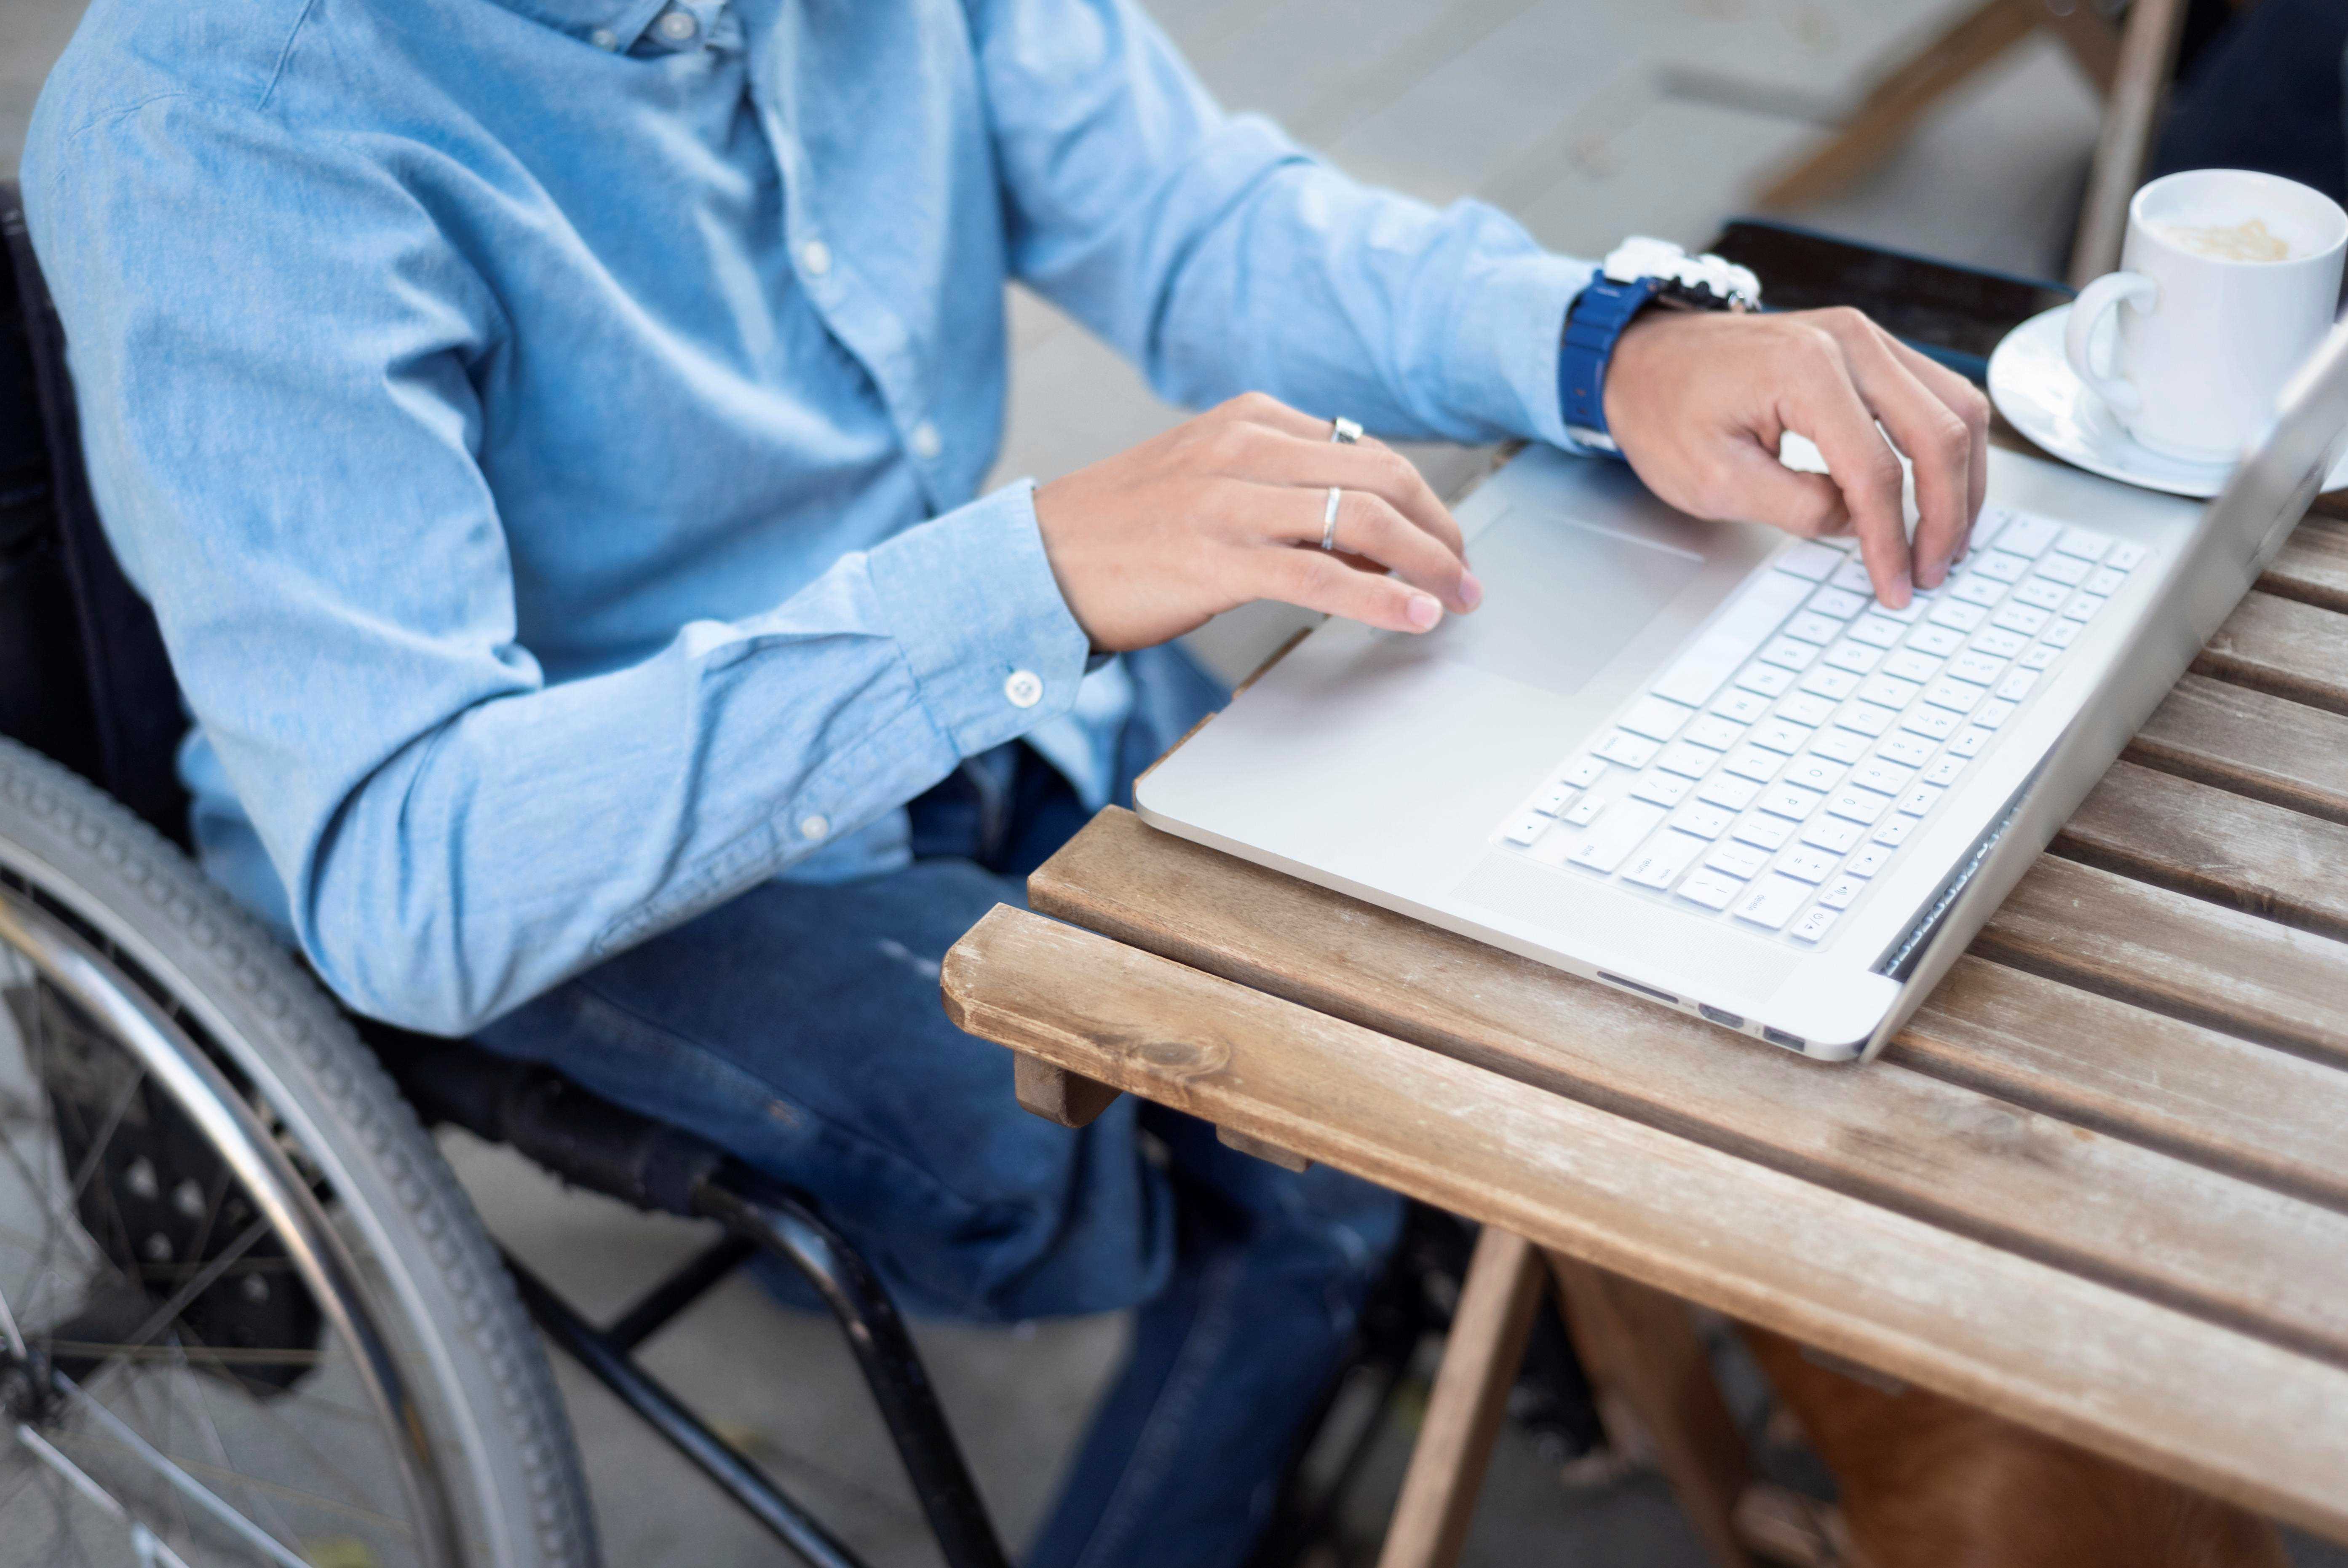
x=1024, y=688
x=927, y=444
x=816, y=257
x=677, y=26
x=813, y=828
x=604, y=38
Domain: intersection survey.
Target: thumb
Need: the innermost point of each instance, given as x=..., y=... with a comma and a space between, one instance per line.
x=1767, y=491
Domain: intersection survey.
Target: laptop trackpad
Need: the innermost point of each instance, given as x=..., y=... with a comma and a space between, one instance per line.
x=1561, y=597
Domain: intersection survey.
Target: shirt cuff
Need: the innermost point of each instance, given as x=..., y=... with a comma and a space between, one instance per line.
x=1511, y=325
x=971, y=599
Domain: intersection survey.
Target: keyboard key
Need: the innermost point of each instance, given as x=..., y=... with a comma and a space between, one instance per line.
x=1785, y=653
x=1970, y=743
x=1779, y=734
x=1992, y=714
x=1588, y=771
x=1743, y=861
x=1528, y=828
x=1876, y=631
x=1978, y=667
x=2104, y=580
x=2125, y=556
x=1988, y=526
x=1855, y=805
x=1730, y=794
x=1919, y=800
x=1869, y=719
x=1808, y=559
x=1895, y=831
x=1654, y=718
x=2004, y=566
x=1888, y=691
x=1742, y=707
x=2041, y=592
x=1868, y=860
x=1936, y=722
x=1704, y=821
x=1920, y=602
x=1710, y=888
x=1690, y=762
x=1754, y=763
x=1812, y=627
x=1785, y=801
x=1907, y=750
x=1764, y=832
x=2083, y=606
x=2068, y=569
x=1832, y=834
x=1662, y=788
x=2026, y=619
x=1554, y=800
x=1741, y=624
x=1810, y=865
x=1911, y=664
x=2085, y=542
x=1812, y=771
x=1851, y=577
x=1975, y=589
x=1839, y=603
x=1814, y=925
x=1769, y=680
x=1944, y=772
x=1837, y=893
x=1584, y=811
x=1711, y=729
x=2028, y=535
x=2016, y=685
x=1938, y=640
x=1842, y=745
x=1667, y=854
x=1955, y=613
x=2044, y=655
x=1882, y=777
x=1831, y=683
x=2063, y=633
x=1957, y=696
x=1997, y=642
x=1772, y=900
x=1630, y=750
x=1615, y=834
x=1856, y=657
x=1806, y=707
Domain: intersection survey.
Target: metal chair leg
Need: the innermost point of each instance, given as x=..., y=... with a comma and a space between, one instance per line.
x=762, y=1211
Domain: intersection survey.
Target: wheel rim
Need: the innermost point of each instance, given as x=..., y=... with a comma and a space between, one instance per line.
x=172, y=1445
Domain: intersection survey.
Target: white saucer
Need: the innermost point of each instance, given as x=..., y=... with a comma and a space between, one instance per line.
x=2033, y=386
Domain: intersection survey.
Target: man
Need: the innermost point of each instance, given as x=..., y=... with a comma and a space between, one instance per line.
x=548, y=432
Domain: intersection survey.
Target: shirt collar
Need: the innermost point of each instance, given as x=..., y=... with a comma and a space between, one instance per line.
x=613, y=25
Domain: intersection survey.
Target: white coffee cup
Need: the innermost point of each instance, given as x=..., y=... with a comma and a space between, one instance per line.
x=2210, y=324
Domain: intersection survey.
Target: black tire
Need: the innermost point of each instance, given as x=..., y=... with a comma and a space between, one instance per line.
x=501, y=1445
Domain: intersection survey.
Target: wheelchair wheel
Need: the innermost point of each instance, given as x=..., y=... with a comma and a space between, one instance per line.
x=246, y=1314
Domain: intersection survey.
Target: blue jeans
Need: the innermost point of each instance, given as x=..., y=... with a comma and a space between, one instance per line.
x=801, y=1028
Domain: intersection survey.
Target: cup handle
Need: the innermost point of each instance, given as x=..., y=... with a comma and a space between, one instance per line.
x=2105, y=294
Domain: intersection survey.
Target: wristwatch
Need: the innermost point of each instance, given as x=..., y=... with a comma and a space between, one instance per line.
x=1638, y=272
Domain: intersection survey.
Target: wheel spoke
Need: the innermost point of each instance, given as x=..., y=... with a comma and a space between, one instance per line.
x=143, y=1541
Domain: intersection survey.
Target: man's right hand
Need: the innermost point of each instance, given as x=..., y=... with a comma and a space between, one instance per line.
x=1228, y=508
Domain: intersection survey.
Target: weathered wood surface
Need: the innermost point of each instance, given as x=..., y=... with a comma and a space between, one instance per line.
x=2105, y=1367
x=2271, y=1262
x=2313, y=565
x=2285, y=646
x=2284, y=753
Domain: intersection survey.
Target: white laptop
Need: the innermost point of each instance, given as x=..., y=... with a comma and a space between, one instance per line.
x=1699, y=761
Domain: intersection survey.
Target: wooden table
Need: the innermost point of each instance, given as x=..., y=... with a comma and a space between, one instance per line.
x=2099, y=1185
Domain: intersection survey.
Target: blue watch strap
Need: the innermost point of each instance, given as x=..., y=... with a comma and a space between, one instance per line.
x=1595, y=321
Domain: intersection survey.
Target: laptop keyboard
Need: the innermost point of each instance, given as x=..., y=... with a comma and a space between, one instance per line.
x=1779, y=766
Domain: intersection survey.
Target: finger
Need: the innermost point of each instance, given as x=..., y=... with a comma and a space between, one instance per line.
x=1934, y=437
x=1759, y=489
x=1263, y=409
x=1371, y=467
x=1826, y=406
x=1370, y=527
x=1969, y=404
x=1316, y=580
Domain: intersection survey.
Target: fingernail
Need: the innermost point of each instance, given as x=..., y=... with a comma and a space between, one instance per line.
x=1471, y=592
x=1422, y=611
x=1932, y=574
x=1902, y=590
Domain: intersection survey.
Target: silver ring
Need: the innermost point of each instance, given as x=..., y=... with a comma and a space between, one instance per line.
x=1345, y=432
x=1329, y=519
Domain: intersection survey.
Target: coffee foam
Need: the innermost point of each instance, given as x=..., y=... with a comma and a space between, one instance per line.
x=2247, y=241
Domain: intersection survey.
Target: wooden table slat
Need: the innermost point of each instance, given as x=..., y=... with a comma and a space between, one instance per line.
x=1924, y=1145
x=2285, y=646
x=2130, y=1378
x=2284, y=753
x=2312, y=565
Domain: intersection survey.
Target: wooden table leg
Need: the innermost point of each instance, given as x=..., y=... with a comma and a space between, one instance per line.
x=1055, y=1094
x=1639, y=1347
x=1480, y=1360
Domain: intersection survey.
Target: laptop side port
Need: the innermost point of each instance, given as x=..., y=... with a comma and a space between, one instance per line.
x=1721, y=1016
x=1779, y=1038
x=1642, y=990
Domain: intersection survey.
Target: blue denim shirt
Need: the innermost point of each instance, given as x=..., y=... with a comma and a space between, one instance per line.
x=549, y=430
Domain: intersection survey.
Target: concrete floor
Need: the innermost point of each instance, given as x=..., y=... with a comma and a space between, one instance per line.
x=1589, y=119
